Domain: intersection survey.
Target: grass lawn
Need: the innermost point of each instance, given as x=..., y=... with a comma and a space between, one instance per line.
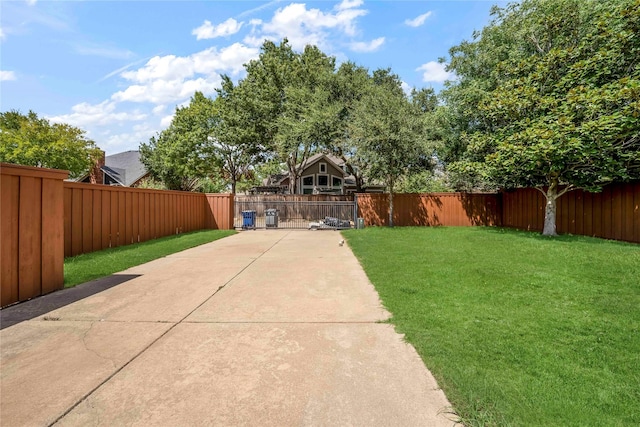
x=85, y=267
x=518, y=329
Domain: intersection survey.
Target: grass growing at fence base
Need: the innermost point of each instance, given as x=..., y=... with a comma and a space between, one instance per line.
x=86, y=267
x=518, y=329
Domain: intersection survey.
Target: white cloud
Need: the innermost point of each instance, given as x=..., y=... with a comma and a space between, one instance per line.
x=31, y=2
x=115, y=143
x=159, y=109
x=371, y=46
x=166, y=121
x=165, y=91
x=85, y=114
x=169, y=67
x=170, y=78
x=406, y=88
x=210, y=31
x=3, y=35
x=434, y=72
x=302, y=26
x=7, y=75
x=349, y=4
x=121, y=69
x=419, y=20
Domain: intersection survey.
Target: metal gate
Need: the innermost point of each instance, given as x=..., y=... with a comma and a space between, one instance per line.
x=295, y=212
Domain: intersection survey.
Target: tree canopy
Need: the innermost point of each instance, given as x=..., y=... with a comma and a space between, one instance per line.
x=33, y=141
x=387, y=131
x=284, y=105
x=181, y=155
x=550, y=94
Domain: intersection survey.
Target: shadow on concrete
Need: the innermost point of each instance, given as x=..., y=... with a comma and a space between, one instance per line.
x=38, y=306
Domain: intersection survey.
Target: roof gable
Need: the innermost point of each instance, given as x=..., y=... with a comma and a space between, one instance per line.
x=126, y=168
x=334, y=161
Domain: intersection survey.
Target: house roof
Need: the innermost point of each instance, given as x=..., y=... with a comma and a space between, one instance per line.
x=126, y=168
x=337, y=163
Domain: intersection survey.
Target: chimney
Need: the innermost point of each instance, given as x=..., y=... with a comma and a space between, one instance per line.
x=96, y=176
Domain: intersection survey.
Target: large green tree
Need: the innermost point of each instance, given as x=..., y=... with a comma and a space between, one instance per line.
x=347, y=87
x=235, y=145
x=182, y=155
x=388, y=132
x=560, y=107
x=284, y=106
x=34, y=141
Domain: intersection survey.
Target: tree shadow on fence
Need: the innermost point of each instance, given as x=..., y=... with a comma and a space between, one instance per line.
x=420, y=210
x=482, y=208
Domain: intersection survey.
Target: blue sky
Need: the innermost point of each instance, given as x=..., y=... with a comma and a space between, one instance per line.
x=118, y=69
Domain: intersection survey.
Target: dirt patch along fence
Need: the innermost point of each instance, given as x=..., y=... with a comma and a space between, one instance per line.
x=32, y=233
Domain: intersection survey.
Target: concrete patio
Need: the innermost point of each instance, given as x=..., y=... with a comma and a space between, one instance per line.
x=270, y=328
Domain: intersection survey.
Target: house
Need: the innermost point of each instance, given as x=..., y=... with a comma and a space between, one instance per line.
x=121, y=169
x=321, y=174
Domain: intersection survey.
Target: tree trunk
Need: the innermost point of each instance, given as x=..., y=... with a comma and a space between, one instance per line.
x=551, y=195
x=233, y=186
x=293, y=182
x=550, y=218
x=391, y=204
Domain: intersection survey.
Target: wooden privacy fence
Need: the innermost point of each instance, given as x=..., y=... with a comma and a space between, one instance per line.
x=31, y=232
x=613, y=213
x=454, y=209
x=100, y=216
x=43, y=219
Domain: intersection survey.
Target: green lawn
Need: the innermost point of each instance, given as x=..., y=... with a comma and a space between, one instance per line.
x=518, y=329
x=85, y=267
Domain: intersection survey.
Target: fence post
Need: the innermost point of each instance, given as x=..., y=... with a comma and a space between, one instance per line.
x=32, y=232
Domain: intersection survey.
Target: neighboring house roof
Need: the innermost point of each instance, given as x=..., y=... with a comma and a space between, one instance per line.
x=126, y=168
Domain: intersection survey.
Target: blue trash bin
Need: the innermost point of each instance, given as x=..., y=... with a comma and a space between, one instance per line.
x=248, y=219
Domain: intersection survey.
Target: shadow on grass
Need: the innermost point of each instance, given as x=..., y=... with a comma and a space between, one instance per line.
x=568, y=238
x=38, y=306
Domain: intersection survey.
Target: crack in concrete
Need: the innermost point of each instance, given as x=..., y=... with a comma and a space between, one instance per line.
x=86, y=347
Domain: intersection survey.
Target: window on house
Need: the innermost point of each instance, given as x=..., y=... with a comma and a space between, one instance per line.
x=323, y=180
x=337, y=182
x=323, y=168
x=307, y=180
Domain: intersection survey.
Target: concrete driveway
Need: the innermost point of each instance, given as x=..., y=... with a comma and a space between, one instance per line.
x=269, y=328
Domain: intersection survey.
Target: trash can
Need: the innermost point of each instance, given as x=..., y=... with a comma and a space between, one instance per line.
x=248, y=220
x=271, y=218
x=360, y=223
